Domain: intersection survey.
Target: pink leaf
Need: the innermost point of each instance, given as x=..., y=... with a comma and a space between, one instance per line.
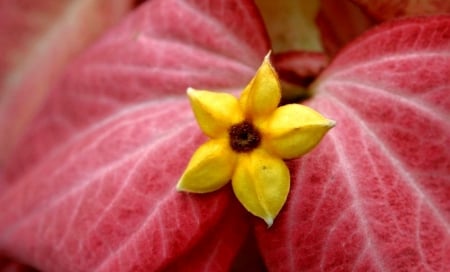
x=38, y=39
x=389, y=9
x=165, y=47
x=374, y=195
x=92, y=186
x=106, y=199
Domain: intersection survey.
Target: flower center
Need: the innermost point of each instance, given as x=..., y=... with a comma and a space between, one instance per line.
x=244, y=137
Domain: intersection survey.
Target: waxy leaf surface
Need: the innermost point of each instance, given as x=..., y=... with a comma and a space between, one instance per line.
x=374, y=195
x=92, y=187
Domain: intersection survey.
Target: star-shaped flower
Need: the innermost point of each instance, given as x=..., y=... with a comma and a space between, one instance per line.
x=249, y=138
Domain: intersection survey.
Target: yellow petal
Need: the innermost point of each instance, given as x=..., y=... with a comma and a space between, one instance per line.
x=261, y=183
x=215, y=112
x=293, y=130
x=210, y=168
x=262, y=95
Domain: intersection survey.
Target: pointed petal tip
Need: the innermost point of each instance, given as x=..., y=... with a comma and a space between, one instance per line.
x=331, y=123
x=190, y=91
x=179, y=188
x=269, y=221
x=267, y=56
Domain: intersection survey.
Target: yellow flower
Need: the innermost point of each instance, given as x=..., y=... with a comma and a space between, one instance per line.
x=249, y=138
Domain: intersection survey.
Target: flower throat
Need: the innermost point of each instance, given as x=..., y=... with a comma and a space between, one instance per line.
x=244, y=137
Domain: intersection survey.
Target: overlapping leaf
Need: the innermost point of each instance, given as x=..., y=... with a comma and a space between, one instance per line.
x=151, y=55
x=386, y=10
x=93, y=183
x=374, y=196
x=339, y=23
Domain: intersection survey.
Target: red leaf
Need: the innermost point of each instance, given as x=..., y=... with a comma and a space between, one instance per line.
x=299, y=67
x=95, y=174
x=389, y=9
x=374, y=195
x=296, y=70
x=10, y=266
x=217, y=250
x=339, y=23
x=153, y=54
x=38, y=39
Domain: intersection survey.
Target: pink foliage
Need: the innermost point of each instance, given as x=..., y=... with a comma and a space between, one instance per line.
x=375, y=194
x=91, y=184
x=147, y=57
x=38, y=39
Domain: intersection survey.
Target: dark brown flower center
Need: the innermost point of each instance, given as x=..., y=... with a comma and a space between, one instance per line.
x=244, y=137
